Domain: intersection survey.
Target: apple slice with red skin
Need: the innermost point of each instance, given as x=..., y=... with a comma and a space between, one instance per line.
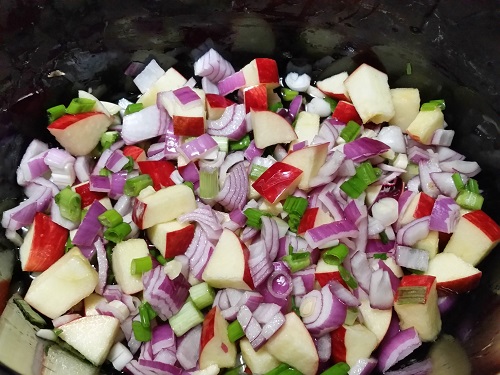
x=255, y=98
x=215, y=347
x=170, y=80
x=292, y=344
x=334, y=86
x=421, y=205
x=453, y=274
x=216, y=104
x=135, y=152
x=325, y=272
x=159, y=171
x=79, y=134
x=269, y=129
x=475, y=235
x=345, y=112
x=313, y=217
x=172, y=238
x=350, y=343
x=416, y=305
x=261, y=71
x=88, y=196
x=309, y=160
x=43, y=245
x=189, y=126
x=228, y=265
x=7, y=261
x=277, y=182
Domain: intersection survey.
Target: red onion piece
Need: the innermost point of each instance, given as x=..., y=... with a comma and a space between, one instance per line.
x=377, y=246
x=40, y=181
x=213, y=66
x=102, y=265
x=231, y=124
x=150, y=74
x=442, y=137
x=354, y=211
x=33, y=168
x=190, y=172
x=447, y=154
x=361, y=270
x=332, y=205
x=468, y=168
x=447, y=302
x=444, y=182
x=199, y=252
x=344, y=295
x=163, y=337
x=295, y=106
x=166, y=296
x=397, y=348
x=188, y=348
x=418, y=368
x=362, y=149
x=63, y=319
x=231, y=159
x=230, y=301
x=425, y=168
x=324, y=235
x=34, y=149
x=158, y=367
x=252, y=151
x=187, y=97
x=209, y=87
x=117, y=184
x=141, y=125
x=198, y=148
x=324, y=347
x=90, y=226
x=279, y=283
x=393, y=137
x=100, y=183
x=413, y=232
x=82, y=168
x=445, y=215
x=404, y=201
x=381, y=296
x=233, y=194
x=270, y=236
x=24, y=214
x=116, y=161
x=412, y=258
x=116, y=309
x=259, y=262
x=395, y=281
x=363, y=366
x=206, y=217
x=231, y=83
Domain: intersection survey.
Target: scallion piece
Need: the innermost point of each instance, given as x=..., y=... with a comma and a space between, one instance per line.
x=278, y=369
x=240, y=144
x=57, y=331
x=293, y=222
x=409, y=69
x=351, y=316
x=298, y=261
x=470, y=200
x=222, y=142
x=433, y=104
x=202, y=295
x=382, y=256
x=295, y=205
x=335, y=255
x=80, y=105
x=161, y=259
x=351, y=131
x=108, y=138
x=367, y=173
x=256, y=171
x=353, y=187
x=130, y=164
x=209, y=183
x=187, y=317
x=275, y=107
x=70, y=204
x=189, y=183
x=134, y=185
x=235, y=331
x=347, y=277
x=288, y=94
x=132, y=108
x=69, y=245
x=290, y=371
x=235, y=370
x=151, y=313
x=457, y=180
x=105, y=172
x=411, y=295
x=55, y=112
x=110, y=218
x=333, y=103
x=144, y=315
x=140, y=265
x=383, y=237
x=118, y=233
x=340, y=368
x=473, y=186
x=254, y=217
x=141, y=333
x=31, y=315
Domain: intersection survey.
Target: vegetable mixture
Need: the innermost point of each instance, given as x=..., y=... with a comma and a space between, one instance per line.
x=251, y=225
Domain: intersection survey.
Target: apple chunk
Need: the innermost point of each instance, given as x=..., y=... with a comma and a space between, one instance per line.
x=261, y=71
x=306, y=127
x=293, y=345
x=309, y=160
x=216, y=104
x=215, y=347
x=162, y=206
x=422, y=128
x=375, y=320
x=269, y=128
x=123, y=254
x=406, y=106
x=170, y=80
x=80, y=133
x=259, y=362
x=62, y=285
x=228, y=265
x=453, y=274
x=172, y=238
x=91, y=336
x=475, y=235
x=334, y=86
x=370, y=93
x=43, y=245
x=350, y=343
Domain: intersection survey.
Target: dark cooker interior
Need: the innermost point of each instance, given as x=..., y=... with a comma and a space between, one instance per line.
x=453, y=47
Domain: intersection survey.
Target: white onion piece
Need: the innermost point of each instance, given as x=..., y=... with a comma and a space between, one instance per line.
x=151, y=73
x=375, y=226
x=426, y=183
x=319, y=106
x=361, y=270
x=213, y=66
x=445, y=215
x=412, y=258
x=188, y=352
x=298, y=82
x=442, y=137
x=142, y=125
x=119, y=356
x=468, y=168
x=413, y=232
x=381, y=296
x=209, y=87
x=393, y=137
x=385, y=210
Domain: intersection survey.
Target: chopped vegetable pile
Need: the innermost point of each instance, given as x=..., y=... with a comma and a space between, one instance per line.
x=251, y=225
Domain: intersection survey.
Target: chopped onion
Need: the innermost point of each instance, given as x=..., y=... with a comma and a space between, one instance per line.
x=343, y=294
x=206, y=217
x=142, y=125
x=413, y=232
x=231, y=83
x=327, y=234
x=415, y=259
x=381, y=296
x=63, y=319
x=324, y=347
x=209, y=87
x=187, y=97
x=295, y=106
x=198, y=148
x=90, y=225
x=393, y=137
x=259, y=262
x=468, y=168
x=188, y=348
x=364, y=148
x=319, y=106
x=298, y=82
x=398, y=347
x=445, y=215
x=199, y=252
x=82, y=168
x=363, y=366
x=279, y=283
x=102, y=265
x=427, y=184
x=151, y=73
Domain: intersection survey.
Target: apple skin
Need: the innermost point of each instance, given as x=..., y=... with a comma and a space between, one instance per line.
x=312, y=218
x=79, y=134
x=135, y=152
x=453, y=274
x=262, y=71
x=215, y=347
x=263, y=122
x=277, y=182
x=62, y=285
x=292, y=344
x=309, y=160
x=475, y=235
x=345, y=112
x=350, y=343
x=43, y=245
x=334, y=86
x=159, y=171
x=189, y=126
x=420, y=206
x=88, y=197
x=171, y=238
x=216, y=104
x=255, y=98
